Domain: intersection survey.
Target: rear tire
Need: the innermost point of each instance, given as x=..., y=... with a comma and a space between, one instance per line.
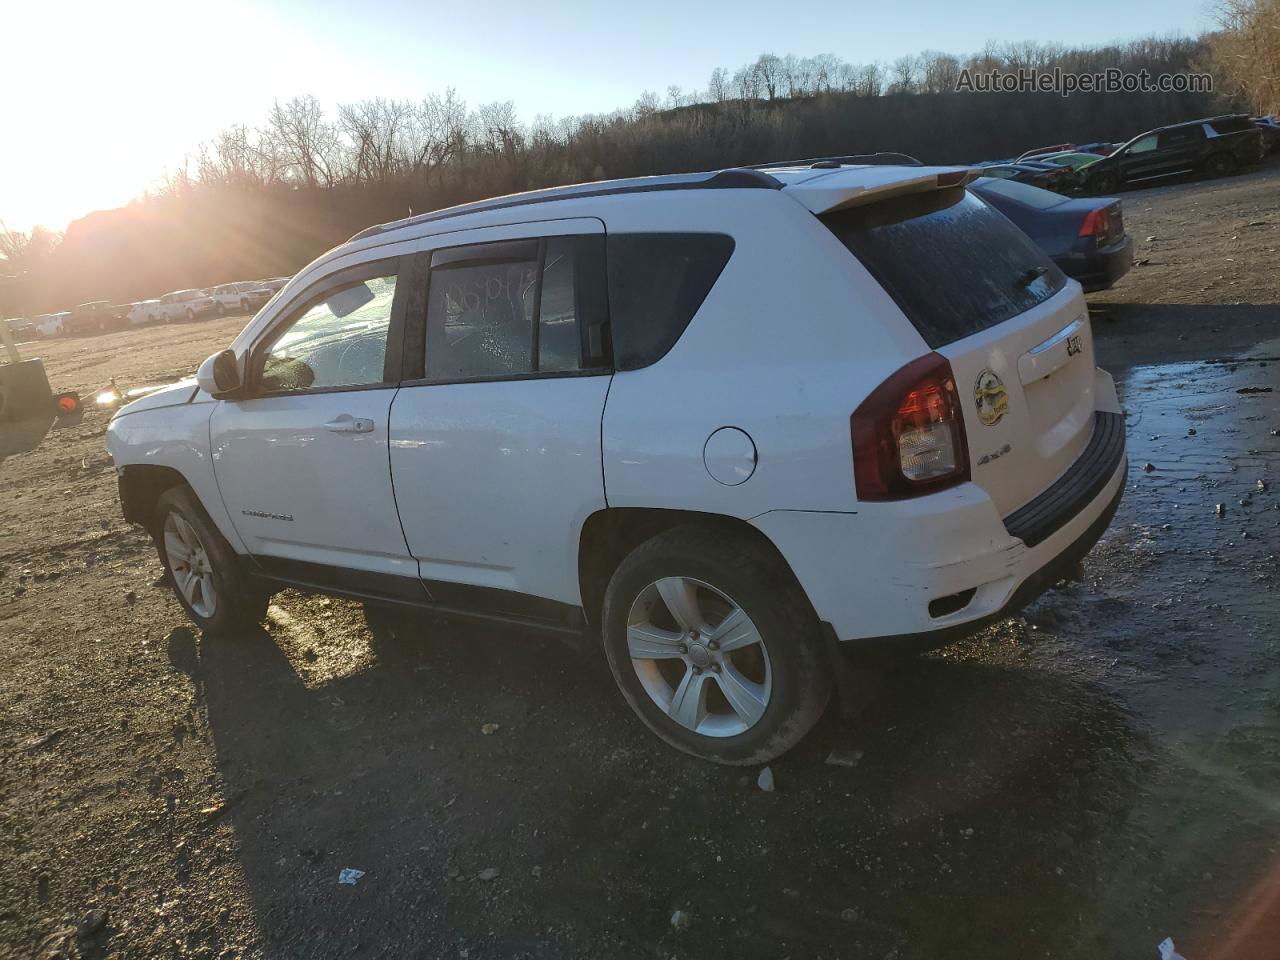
x=207, y=579
x=244, y=306
x=1221, y=165
x=190, y=315
x=738, y=675
x=222, y=310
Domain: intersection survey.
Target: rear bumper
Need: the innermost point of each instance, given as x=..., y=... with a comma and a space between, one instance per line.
x=920, y=573
x=1100, y=270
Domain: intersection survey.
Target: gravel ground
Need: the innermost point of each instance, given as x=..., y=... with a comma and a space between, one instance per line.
x=1078, y=782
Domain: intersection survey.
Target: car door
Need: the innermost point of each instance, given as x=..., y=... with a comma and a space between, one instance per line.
x=1180, y=149
x=1139, y=160
x=495, y=433
x=301, y=461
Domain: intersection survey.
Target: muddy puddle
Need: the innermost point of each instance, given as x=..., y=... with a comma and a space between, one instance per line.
x=1179, y=618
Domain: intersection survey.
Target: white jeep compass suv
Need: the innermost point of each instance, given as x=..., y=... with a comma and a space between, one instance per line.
x=732, y=423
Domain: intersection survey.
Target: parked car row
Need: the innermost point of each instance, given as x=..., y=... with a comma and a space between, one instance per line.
x=1212, y=146
x=98, y=316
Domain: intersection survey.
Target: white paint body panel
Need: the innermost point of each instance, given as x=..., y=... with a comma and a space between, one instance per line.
x=297, y=490
x=164, y=431
x=490, y=483
x=495, y=479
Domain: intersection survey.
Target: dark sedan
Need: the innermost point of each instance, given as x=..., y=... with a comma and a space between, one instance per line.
x=1084, y=237
x=1048, y=176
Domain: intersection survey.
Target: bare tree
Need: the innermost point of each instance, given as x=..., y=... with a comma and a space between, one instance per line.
x=940, y=72
x=903, y=74
x=376, y=132
x=21, y=252
x=308, y=144
x=718, y=85
x=1246, y=51
x=768, y=69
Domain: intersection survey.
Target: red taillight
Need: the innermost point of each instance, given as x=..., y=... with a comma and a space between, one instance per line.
x=908, y=435
x=1095, y=223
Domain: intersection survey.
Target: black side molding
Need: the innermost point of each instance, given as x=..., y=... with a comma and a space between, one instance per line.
x=452, y=600
x=1048, y=513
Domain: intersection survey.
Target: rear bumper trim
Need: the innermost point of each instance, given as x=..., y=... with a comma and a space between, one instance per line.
x=873, y=649
x=1036, y=521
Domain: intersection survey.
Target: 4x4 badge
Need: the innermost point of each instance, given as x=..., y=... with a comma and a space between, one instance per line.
x=991, y=398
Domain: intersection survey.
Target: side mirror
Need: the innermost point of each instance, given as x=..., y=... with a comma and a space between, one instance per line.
x=219, y=376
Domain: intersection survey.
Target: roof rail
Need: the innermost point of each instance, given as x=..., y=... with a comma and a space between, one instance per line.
x=862, y=159
x=733, y=178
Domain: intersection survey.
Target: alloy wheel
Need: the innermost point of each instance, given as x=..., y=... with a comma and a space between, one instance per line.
x=190, y=565
x=699, y=657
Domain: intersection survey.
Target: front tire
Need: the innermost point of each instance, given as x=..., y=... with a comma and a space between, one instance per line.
x=1104, y=183
x=222, y=310
x=207, y=580
x=190, y=315
x=714, y=646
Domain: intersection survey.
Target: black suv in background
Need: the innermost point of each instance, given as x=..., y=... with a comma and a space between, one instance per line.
x=1217, y=146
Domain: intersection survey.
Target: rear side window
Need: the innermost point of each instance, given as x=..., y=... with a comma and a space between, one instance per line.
x=515, y=309
x=657, y=282
x=1180, y=137
x=1230, y=125
x=952, y=264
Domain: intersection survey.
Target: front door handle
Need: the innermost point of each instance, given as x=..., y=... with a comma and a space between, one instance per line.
x=349, y=424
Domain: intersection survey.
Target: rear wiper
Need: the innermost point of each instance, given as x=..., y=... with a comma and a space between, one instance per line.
x=1031, y=276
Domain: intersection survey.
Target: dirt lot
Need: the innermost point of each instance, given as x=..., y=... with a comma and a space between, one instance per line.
x=1077, y=783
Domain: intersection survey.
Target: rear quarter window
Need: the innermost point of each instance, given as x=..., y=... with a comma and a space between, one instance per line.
x=657, y=282
x=954, y=265
x=1230, y=125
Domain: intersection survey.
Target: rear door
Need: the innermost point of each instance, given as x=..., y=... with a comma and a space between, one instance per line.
x=495, y=433
x=1180, y=149
x=1014, y=329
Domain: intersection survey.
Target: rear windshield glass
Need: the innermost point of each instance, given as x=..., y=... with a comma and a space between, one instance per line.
x=1021, y=193
x=953, y=264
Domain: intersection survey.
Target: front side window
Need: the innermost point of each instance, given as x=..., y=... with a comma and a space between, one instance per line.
x=337, y=341
x=1144, y=145
x=515, y=308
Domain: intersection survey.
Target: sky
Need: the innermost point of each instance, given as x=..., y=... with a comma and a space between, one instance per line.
x=103, y=98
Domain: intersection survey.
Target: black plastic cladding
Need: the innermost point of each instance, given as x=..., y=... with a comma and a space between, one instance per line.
x=737, y=179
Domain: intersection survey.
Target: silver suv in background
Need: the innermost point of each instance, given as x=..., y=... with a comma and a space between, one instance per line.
x=246, y=296
x=185, y=305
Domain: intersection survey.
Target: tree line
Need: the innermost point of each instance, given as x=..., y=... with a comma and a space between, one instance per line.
x=263, y=200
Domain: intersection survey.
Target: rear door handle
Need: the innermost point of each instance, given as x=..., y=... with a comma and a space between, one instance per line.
x=349, y=424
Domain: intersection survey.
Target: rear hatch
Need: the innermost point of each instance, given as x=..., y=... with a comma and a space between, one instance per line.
x=981, y=293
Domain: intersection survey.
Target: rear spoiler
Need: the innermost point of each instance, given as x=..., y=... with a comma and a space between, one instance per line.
x=855, y=186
